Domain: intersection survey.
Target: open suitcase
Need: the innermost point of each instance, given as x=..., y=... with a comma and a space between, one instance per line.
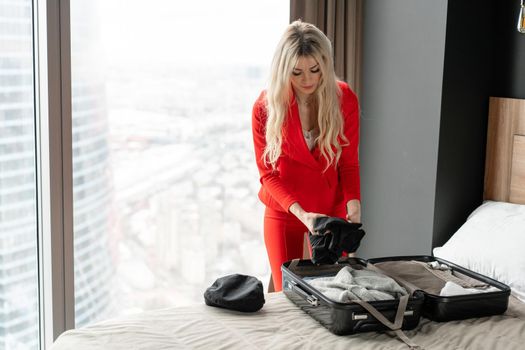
x=456, y=307
x=355, y=317
x=344, y=318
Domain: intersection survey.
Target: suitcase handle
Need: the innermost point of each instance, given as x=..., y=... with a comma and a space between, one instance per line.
x=312, y=300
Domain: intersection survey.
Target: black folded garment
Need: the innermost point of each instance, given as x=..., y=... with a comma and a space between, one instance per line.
x=335, y=236
x=236, y=292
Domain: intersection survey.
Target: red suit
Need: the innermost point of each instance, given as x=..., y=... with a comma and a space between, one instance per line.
x=300, y=176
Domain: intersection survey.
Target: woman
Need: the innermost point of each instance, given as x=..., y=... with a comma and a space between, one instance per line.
x=306, y=135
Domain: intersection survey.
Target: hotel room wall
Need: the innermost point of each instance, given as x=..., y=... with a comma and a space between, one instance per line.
x=484, y=56
x=467, y=80
x=429, y=68
x=402, y=74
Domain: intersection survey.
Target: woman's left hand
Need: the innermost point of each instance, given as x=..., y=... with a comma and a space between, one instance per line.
x=353, y=211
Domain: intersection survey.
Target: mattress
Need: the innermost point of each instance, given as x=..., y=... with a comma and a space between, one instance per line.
x=282, y=325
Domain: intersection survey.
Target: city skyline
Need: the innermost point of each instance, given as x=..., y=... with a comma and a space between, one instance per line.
x=181, y=178
x=164, y=180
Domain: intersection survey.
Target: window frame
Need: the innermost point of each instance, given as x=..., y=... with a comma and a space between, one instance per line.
x=54, y=167
x=52, y=84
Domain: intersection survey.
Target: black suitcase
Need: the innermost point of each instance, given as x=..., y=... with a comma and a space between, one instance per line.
x=343, y=318
x=458, y=307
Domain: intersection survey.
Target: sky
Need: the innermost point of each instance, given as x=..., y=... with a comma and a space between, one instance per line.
x=204, y=31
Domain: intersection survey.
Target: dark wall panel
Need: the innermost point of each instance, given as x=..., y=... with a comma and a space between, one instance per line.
x=466, y=87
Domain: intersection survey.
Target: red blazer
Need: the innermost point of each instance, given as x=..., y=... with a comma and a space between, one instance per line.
x=299, y=175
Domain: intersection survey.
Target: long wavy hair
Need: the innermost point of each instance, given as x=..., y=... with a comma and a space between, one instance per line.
x=304, y=39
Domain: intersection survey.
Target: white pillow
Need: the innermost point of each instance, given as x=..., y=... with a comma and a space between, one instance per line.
x=491, y=242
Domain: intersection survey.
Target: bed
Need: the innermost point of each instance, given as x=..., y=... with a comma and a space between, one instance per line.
x=490, y=242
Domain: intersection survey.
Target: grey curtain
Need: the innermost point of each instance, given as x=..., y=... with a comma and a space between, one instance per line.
x=340, y=20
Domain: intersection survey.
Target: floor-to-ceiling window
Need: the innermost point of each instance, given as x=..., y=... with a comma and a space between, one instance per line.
x=164, y=178
x=19, y=317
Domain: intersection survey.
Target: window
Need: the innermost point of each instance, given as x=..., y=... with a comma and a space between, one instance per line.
x=19, y=317
x=164, y=177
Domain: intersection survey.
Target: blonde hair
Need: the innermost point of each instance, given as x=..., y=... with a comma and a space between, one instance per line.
x=303, y=39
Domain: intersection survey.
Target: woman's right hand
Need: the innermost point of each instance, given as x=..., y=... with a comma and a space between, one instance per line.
x=309, y=221
x=307, y=218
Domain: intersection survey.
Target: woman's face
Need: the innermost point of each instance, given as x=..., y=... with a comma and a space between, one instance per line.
x=305, y=75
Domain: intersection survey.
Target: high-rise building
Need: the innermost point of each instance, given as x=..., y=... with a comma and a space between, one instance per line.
x=18, y=225
x=92, y=189
x=19, y=316
x=164, y=184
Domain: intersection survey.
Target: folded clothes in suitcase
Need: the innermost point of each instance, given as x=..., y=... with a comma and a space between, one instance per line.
x=424, y=277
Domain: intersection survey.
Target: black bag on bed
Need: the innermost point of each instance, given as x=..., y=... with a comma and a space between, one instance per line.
x=236, y=292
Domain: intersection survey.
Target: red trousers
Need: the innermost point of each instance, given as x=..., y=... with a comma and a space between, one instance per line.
x=283, y=236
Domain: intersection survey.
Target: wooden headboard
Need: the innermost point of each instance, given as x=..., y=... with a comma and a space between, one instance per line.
x=505, y=160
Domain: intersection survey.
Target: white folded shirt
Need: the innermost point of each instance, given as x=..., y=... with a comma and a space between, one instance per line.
x=451, y=289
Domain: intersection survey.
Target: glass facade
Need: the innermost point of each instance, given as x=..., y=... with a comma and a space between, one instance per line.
x=92, y=186
x=19, y=318
x=165, y=182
